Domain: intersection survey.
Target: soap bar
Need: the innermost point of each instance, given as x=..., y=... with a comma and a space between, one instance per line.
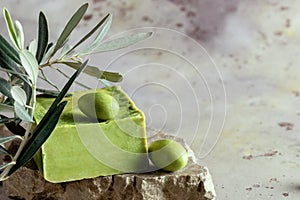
x=82, y=147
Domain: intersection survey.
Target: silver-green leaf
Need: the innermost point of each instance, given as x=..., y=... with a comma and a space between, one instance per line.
x=48, y=54
x=103, y=32
x=73, y=22
x=19, y=34
x=100, y=36
x=89, y=34
x=94, y=71
x=10, y=27
x=22, y=113
x=33, y=47
x=19, y=95
x=119, y=43
x=30, y=64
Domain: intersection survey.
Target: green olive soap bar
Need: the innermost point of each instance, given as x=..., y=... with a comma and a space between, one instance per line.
x=84, y=146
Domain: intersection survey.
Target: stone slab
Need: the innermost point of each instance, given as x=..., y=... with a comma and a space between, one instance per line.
x=193, y=182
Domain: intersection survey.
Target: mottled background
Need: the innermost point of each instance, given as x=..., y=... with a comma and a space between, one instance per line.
x=214, y=72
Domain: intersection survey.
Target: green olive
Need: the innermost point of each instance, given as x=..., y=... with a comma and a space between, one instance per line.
x=168, y=155
x=104, y=106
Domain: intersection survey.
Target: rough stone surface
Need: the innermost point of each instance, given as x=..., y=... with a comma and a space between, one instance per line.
x=193, y=182
x=2, y=194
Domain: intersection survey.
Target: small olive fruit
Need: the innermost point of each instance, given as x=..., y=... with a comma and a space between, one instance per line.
x=168, y=155
x=102, y=105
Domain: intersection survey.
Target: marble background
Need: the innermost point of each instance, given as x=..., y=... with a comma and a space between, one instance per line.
x=224, y=75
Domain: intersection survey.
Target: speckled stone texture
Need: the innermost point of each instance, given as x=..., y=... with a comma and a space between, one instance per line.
x=194, y=182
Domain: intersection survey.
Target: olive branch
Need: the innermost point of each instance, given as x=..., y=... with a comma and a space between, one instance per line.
x=21, y=67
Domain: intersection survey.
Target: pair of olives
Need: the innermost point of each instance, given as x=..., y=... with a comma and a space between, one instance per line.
x=103, y=105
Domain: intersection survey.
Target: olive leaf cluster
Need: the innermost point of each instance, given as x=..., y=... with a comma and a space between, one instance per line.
x=21, y=66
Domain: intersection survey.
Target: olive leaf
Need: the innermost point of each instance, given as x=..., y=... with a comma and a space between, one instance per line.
x=13, y=125
x=7, y=62
x=33, y=47
x=118, y=43
x=19, y=34
x=43, y=35
x=19, y=95
x=28, y=90
x=73, y=22
x=15, y=128
x=103, y=32
x=6, y=139
x=30, y=64
x=94, y=71
x=5, y=88
x=21, y=112
x=9, y=50
x=49, y=51
x=10, y=27
x=9, y=66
